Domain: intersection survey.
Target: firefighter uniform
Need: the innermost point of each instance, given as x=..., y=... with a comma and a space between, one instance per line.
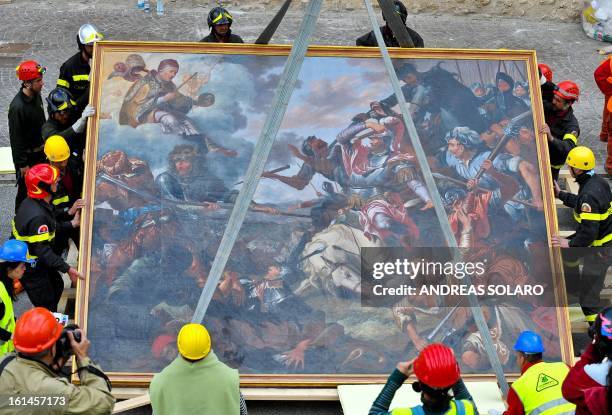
x=75, y=140
x=69, y=189
x=74, y=76
x=593, y=213
x=36, y=225
x=25, y=118
x=565, y=131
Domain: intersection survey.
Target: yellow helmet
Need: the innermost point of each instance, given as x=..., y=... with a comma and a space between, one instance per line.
x=56, y=148
x=193, y=341
x=582, y=158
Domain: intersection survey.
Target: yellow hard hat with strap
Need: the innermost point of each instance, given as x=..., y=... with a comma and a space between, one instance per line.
x=582, y=158
x=56, y=148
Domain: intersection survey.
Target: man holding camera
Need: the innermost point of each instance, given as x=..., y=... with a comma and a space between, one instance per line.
x=43, y=347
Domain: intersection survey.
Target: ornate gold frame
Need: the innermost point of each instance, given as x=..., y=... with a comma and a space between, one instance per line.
x=322, y=380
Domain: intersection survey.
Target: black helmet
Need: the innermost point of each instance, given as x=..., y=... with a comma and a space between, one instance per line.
x=400, y=9
x=59, y=100
x=218, y=15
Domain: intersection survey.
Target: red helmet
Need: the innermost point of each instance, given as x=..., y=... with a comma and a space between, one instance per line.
x=39, y=179
x=36, y=331
x=567, y=90
x=437, y=367
x=546, y=71
x=30, y=70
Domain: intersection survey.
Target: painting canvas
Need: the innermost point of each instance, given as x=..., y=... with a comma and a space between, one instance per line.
x=175, y=129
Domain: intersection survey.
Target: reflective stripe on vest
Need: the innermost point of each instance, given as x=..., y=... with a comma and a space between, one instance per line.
x=602, y=241
x=593, y=216
x=77, y=78
x=8, y=320
x=61, y=200
x=47, y=236
x=558, y=166
x=61, y=82
x=461, y=407
x=571, y=137
x=539, y=389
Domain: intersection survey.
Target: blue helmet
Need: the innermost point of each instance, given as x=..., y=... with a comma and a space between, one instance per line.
x=15, y=251
x=529, y=342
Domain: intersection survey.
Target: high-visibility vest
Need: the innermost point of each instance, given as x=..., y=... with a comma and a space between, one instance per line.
x=460, y=407
x=539, y=389
x=8, y=320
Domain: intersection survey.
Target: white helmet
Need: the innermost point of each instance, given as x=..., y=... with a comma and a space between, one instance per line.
x=89, y=34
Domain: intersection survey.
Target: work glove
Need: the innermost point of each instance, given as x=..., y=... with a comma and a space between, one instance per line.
x=79, y=125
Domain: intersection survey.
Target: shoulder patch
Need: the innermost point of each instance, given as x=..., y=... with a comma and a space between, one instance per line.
x=585, y=207
x=43, y=229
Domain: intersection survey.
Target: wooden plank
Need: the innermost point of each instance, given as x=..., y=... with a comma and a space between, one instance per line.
x=278, y=394
x=6, y=161
x=129, y=393
x=130, y=404
x=254, y=394
x=564, y=173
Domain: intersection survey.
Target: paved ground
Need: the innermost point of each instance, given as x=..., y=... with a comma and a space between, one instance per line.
x=49, y=29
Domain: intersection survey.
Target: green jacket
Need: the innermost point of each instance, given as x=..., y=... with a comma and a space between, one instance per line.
x=207, y=386
x=32, y=378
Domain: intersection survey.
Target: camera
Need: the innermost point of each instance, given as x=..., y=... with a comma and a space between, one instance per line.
x=62, y=346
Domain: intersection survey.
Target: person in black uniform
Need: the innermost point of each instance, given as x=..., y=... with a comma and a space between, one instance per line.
x=74, y=73
x=61, y=109
x=561, y=128
x=219, y=21
x=25, y=118
x=36, y=225
x=592, y=206
x=67, y=198
x=369, y=39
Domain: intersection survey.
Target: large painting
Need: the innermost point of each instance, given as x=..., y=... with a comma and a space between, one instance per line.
x=174, y=132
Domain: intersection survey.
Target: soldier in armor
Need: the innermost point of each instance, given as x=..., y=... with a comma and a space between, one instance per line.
x=379, y=180
x=188, y=178
x=466, y=154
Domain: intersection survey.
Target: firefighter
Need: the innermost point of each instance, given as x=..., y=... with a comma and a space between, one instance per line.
x=369, y=39
x=25, y=118
x=67, y=199
x=561, y=128
x=592, y=206
x=43, y=347
x=538, y=389
x=13, y=259
x=62, y=113
x=220, y=23
x=36, y=225
x=437, y=372
x=74, y=73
